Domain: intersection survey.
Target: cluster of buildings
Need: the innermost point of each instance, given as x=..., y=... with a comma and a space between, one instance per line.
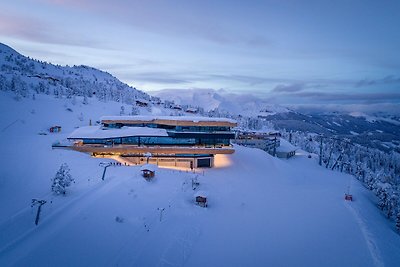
x=177, y=141
x=181, y=141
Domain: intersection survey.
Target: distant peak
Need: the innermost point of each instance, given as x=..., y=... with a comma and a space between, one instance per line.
x=6, y=49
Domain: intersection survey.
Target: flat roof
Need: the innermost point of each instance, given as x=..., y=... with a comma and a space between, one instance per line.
x=149, y=167
x=96, y=132
x=285, y=146
x=171, y=120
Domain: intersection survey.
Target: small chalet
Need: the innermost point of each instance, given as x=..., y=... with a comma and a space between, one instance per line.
x=348, y=197
x=201, y=199
x=148, y=171
x=142, y=102
x=192, y=110
x=55, y=129
x=285, y=150
x=176, y=107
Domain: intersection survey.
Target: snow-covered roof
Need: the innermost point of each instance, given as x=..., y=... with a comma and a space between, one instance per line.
x=141, y=100
x=285, y=146
x=150, y=118
x=97, y=132
x=149, y=167
x=200, y=194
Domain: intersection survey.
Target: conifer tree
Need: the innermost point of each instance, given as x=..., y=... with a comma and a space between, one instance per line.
x=62, y=180
x=398, y=221
x=135, y=110
x=85, y=100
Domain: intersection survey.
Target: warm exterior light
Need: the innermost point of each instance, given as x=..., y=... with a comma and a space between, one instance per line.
x=222, y=161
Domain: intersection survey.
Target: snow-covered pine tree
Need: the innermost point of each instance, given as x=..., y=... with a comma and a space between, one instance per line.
x=398, y=221
x=85, y=100
x=80, y=117
x=62, y=180
x=3, y=83
x=135, y=110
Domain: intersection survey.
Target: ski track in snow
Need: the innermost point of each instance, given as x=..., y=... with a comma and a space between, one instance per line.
x=56, y=219
x=177, y=245
x=179, y=248
x=368, y=236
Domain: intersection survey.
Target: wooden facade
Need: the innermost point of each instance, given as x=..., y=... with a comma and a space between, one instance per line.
x=201, y=201
x=148, y=174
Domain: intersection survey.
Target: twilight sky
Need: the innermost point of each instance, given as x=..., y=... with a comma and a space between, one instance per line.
x=296, y=52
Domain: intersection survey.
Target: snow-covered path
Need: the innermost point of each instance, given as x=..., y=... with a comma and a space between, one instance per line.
x=369, y=238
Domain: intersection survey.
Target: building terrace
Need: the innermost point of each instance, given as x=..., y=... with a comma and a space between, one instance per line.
x=192, y=141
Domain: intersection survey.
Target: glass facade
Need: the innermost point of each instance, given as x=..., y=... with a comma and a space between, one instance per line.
x=159, y=140
x=171, y=127
x=208, y=136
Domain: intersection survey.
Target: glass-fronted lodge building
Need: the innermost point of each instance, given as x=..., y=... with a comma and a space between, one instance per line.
x=181, y=141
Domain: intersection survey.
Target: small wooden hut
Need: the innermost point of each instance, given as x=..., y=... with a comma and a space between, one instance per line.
x=191, y=110
x=201, y=199
x=348, y=197
x=141, y=102
x=148, y=171
x=55, y=129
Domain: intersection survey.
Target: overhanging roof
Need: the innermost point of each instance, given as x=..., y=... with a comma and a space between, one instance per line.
x=96, y=132
x=170, y=120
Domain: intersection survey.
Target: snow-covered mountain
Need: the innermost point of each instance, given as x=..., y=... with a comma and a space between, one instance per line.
x=210, y=99
x=25, y=77
x=370, y=131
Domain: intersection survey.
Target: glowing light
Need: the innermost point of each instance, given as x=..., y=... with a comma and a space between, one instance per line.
x=222, y=161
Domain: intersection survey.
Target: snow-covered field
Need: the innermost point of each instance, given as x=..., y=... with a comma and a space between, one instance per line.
x=262, y=211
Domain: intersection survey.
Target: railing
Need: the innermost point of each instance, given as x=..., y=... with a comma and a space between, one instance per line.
x=267, y=145
x=62, y=144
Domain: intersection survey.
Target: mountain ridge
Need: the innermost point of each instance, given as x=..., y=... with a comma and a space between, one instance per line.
x=26, y=76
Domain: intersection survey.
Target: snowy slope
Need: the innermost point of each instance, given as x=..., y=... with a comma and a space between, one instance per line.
x=25, y=76
x=262, y=211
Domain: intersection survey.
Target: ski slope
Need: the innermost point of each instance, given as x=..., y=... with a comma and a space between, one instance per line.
x=262, y=211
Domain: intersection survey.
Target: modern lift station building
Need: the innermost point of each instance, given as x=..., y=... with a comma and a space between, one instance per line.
x=182, y=141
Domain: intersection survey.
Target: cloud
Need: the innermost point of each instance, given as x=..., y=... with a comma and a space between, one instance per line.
x=193, y=77
x=163, y=17
x=37, y=30
x=83, y=4
x=390, y=79
x=160, y=77
x=258, y=41
x=391, y=108
x=27, y=28
x=250, y=80
x=284, y=83
x=358, y=97
x=295, y=87
x=129, y=67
